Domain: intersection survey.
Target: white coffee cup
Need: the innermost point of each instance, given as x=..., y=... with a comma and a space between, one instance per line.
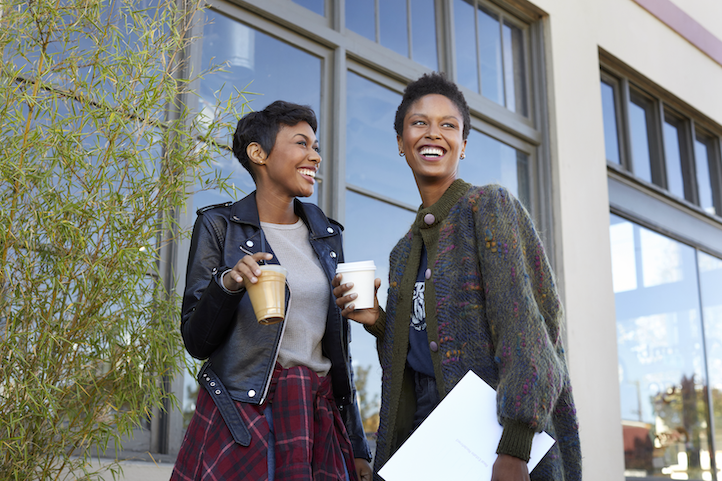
x=362, y=274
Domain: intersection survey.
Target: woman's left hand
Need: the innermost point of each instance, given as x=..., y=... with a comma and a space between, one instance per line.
x=509, y=468
x=363, y=470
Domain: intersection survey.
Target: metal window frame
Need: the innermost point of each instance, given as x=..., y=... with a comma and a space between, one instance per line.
x=619, y=118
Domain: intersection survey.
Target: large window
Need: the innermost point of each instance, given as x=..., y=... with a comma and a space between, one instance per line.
x=407, y=27
x=490, y=50
x=653, y=139
x=346, y=79
x=668, y=297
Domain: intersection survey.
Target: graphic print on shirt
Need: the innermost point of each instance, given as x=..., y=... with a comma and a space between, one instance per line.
x=418, y=315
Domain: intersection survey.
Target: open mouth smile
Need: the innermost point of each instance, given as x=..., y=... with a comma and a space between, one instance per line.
x=431, y=153
x=308, y=173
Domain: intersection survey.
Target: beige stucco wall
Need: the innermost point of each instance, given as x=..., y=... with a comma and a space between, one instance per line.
x=574, y=32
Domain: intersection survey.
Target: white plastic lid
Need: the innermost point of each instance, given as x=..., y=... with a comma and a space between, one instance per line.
x=356, y=266
x=274, y=267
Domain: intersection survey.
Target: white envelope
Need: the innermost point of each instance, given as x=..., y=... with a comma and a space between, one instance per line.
x=458, y=440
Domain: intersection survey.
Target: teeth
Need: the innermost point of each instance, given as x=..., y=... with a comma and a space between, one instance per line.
x=308, y=172
x=432, y=151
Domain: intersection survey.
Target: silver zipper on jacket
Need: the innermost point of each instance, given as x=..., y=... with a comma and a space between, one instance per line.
x=269, y=376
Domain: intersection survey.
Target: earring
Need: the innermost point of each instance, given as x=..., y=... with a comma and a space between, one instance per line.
x=401, y=153
x=462, y=156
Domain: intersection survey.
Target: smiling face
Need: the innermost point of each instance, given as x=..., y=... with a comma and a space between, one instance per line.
x=290, y=169
x=432, y=140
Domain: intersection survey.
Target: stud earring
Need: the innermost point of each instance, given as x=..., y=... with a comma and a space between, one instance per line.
x=401, y=153
x=462, y=156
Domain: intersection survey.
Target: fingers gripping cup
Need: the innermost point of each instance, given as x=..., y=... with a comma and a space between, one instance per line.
x=362, y=274
x=268, y=295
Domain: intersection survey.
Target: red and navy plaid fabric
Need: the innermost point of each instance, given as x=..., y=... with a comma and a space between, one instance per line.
x=311, y=439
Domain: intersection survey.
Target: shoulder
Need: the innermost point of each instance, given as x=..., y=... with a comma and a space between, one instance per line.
x=214, y=209
x=489, y=193
x=496, y=199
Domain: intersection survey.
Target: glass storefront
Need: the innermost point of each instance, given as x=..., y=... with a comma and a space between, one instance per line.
x=668, y=302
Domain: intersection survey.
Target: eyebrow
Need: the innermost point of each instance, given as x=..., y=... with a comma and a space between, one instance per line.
x=443, y=118
x=305, y=137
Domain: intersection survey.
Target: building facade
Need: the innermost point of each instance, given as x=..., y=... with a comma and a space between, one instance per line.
x=603, y=117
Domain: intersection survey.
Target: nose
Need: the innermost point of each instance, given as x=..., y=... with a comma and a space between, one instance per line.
x=315, y=157
x=433, y=132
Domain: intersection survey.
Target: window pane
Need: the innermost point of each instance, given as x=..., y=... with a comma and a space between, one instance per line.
x=394, y=26
x=360, y=17
x=492, y=86
x=254, y=58
x=313, y=5
x=372, y=159
x=465, y=36
x=702, y=158
x=490, y=161
x=624, y=265
x=661, y=358
x=423, y=32
x=514, y=71
x=710, y=278
x=641, y=158
x=609, y=111
x=361, y=244
x=673, y=158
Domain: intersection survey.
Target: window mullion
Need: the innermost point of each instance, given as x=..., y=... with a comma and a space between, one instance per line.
x=689, y=163
x=626, y=135
x=715, y=173
x=409, y=33
x=377, y=18
x=656, y=143
x=477, y=46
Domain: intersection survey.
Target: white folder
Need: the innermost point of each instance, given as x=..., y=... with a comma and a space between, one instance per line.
x=458, y=440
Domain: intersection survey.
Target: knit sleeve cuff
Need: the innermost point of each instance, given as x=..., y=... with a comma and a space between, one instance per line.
x=377, y=330
x=516, y=440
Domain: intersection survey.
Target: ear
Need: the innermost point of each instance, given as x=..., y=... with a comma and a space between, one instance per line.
x=255, y=152
x=463, y=148
x=400, y=141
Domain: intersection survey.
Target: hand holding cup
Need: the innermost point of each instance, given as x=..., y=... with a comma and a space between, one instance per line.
x=345, y=301
x=246, y=270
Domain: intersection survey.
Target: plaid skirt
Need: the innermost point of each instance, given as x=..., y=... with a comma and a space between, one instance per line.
x=311, y=442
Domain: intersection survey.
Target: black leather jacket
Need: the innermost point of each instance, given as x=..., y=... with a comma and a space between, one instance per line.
x=221, y=326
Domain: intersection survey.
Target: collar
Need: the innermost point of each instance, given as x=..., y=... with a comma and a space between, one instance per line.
x=433, y=215
x=245, y=211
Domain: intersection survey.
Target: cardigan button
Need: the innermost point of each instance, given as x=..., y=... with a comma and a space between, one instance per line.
x=433, y=346
x=427, y=274
x=429, y=219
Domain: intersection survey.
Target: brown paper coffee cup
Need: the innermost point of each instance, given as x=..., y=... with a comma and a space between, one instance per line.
x=268, y=295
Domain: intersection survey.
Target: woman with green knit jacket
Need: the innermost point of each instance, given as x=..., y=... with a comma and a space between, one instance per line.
x=470, y=287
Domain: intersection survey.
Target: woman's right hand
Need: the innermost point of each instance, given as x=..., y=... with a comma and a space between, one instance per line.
x=245, y=270
x=363, y=316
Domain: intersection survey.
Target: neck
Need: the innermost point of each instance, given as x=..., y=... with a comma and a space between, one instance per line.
x=273, y=208
x=431, y=192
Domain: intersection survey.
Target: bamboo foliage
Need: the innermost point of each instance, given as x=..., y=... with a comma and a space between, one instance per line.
x=97, y=150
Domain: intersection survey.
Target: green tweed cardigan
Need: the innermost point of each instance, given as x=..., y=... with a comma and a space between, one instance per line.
x=491, y=306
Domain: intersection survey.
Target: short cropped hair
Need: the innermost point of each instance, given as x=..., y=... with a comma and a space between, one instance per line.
x=263, y=126
x=427, y=84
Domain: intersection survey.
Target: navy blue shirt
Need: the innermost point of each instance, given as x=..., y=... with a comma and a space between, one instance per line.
x=419, y=356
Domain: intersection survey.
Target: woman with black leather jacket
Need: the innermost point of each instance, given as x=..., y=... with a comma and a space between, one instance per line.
x=278, y=401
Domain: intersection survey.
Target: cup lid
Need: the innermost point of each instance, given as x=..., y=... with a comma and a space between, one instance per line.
x=274, y=267
x=356, y=266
